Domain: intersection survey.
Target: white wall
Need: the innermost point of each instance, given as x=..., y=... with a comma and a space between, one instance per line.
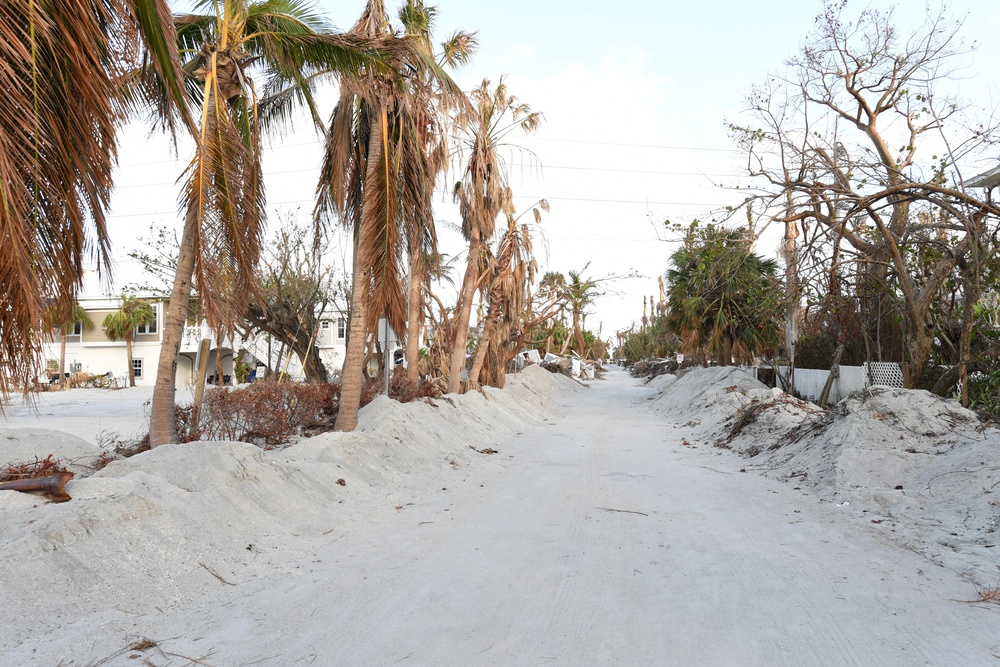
x=809, y=382
x=99, y=359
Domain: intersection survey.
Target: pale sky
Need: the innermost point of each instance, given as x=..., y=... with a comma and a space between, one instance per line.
x=635, y=96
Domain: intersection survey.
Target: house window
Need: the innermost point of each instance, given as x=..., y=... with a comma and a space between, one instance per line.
x=137, y=368
x=77, y=328
x=148, y=328
x=341, y=328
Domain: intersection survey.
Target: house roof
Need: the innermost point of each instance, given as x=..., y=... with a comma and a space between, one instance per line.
x=987, y=179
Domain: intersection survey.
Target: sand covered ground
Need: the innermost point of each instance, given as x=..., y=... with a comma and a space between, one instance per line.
x=700, y=520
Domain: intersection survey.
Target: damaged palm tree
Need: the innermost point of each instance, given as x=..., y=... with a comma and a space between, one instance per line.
x=291, y=48
x=509, y=277
x=483, y=194
x=374, y=179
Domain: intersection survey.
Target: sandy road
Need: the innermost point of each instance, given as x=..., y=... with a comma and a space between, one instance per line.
x=603, y=541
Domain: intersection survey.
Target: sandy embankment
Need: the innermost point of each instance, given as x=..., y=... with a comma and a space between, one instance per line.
x=158, y=530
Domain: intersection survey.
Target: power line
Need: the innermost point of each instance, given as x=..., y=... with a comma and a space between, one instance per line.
x=318, y=142
x=596, y=169
x=614, y=143
x=532, y=197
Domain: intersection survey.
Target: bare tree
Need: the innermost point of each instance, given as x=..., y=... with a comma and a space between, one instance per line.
x=854, y=141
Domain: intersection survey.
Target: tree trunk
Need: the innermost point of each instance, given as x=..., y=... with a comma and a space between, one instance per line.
x=162, y=421
x=352, y=375
x=464, y=314
x=413, y=315
x=62, y=359
x=492, y=315
x=919, y=348
x=971, y=295
x=581, y=346
x=128, y=354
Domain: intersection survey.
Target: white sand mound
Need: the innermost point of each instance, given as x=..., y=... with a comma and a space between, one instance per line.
x=713, y=402
x=26, y=445
x=175, y=523
x=920, y=465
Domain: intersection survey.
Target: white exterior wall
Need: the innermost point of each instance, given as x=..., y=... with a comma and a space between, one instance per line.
x=809, y=382
x=99, y=356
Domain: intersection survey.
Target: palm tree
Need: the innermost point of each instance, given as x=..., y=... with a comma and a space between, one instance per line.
x=291, y=48
x=53, y=318
x=424, y=111
x=374, y=178
x=509, y=279
x=723, y=299
x=63, y=63
x=580, y=294
x=121, y=325
x=483, y=194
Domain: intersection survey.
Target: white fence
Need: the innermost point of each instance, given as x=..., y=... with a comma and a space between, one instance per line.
x=809, y=382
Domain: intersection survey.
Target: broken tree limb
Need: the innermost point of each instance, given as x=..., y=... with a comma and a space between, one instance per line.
x=834, y=374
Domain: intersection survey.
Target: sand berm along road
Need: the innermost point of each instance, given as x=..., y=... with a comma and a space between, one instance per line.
x=603, y=540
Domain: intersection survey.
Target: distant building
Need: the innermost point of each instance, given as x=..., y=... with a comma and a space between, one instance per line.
x=88, y=350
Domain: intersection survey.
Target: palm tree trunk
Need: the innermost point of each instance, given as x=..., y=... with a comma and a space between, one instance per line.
x=484, y=343
x=581, y=346
x=162, y=421
x=128, y=354
x=62, y=358
x=352, y=376
x=413, y=315
x=464, y=314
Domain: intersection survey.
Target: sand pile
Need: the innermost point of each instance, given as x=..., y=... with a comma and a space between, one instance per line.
x=167, y=526
x=921, y=466
x=724, y=405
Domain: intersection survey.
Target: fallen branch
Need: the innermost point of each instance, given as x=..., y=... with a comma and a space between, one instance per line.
x=612, y=509
x=216, y=575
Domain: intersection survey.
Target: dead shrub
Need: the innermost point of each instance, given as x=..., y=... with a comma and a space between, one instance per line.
x=116, y=448
x=31, y=470
x=265, y=413
x=404, y=390
x=269, y=414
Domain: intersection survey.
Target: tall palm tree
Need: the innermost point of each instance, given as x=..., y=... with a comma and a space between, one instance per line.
x=374, y=178
x=63, y=65
x=580, y=294
x=290, y=47
x=483, y=194
x=121, y=325
x=425, y=112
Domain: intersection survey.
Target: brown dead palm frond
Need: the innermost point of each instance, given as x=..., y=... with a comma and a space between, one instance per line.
x=59, y=117
x=375, y=178
x=227, y=47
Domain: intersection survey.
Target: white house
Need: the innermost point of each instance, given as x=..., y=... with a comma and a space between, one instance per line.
x=88, y=350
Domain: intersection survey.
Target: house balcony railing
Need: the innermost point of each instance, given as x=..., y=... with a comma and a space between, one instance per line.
x=194, y=335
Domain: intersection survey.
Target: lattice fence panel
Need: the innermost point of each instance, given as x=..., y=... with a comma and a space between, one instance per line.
x=885, y=374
